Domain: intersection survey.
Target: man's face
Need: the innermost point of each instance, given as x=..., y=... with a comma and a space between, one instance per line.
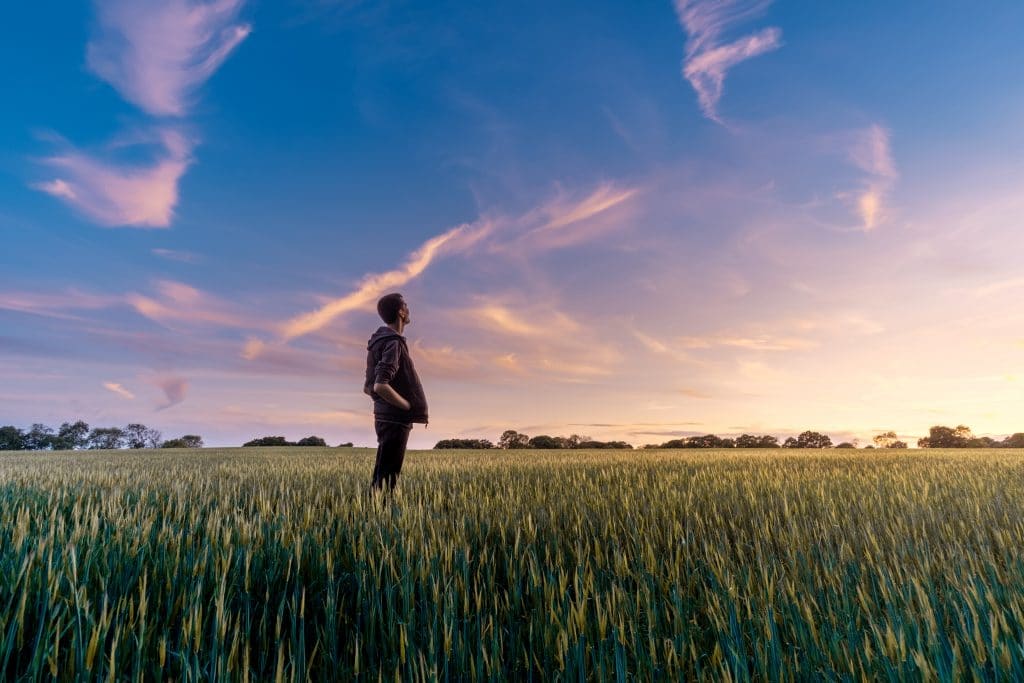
x=403, y=314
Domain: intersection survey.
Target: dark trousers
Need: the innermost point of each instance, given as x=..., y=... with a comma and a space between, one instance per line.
x=392, y=438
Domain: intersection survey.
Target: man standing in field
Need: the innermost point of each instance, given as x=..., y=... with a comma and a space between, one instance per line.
x=392, y=382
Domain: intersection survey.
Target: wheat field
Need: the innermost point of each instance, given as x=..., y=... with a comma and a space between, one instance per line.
x=276, y=564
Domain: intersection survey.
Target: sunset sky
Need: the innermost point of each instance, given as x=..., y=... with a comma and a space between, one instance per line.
x=626, y=220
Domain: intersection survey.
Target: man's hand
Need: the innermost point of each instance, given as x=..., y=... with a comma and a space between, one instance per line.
x=391, y=396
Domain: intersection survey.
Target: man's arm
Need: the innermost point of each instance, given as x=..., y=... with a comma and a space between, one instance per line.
x=385, y=372
x=391, y=396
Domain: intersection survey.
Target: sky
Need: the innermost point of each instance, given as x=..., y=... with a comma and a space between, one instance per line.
x=634, y=221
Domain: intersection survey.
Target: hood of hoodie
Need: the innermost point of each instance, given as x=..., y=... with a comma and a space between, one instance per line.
x=383, y=332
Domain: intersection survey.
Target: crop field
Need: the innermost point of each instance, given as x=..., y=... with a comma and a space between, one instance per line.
x=276, y=564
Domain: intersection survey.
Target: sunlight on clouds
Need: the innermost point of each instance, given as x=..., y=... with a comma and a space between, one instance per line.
x=707, y=61
x=179, y=302
x=870, y=151
x=122, y=194
x=605, y=197
x=157, y=52
x=503, y=319
x=174, y=389
x=118, y=389
x=252, y=349
x=374, y=286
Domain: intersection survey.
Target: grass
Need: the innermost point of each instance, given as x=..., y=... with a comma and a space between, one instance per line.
x=275, y=564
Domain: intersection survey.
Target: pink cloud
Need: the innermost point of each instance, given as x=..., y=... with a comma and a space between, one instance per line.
x=373, y=286
x=118, y=389
x=707, y=60
x=156, y=53
x=174, y=389
x=178, y=302
x=121, y=194
x=567, y=221
x=870, y=151
x=176, y=255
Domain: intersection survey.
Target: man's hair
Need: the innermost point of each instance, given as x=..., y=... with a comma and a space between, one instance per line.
x=388, y=307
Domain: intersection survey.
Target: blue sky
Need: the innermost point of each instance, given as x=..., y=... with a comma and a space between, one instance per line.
x=630, y=221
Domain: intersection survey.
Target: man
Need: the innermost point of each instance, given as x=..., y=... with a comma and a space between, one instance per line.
x=392, y=382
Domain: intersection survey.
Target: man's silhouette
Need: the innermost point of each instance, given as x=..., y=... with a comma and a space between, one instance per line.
x=392, y=382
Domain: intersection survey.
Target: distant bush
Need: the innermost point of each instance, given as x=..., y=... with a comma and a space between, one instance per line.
x=476, y=444
x=311, y=441
x=268, y=441
x=187, y=441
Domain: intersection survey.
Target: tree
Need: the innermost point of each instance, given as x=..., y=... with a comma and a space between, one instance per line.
x=476, y=444
x=897, y=444
x=140, y=436
x=106, y=437
x=811, y=439
x=311, y=441
x=71, y=436
x=845, y=444
x=268, y=441
x=39, y=438
x=11, y=439
x=752, y=441
x=187, y=441
x=544, y=441
x=1014, y=441
x=946, y=437
x=790, y=442
x=884, y=439
x=510, y=438
x=347, y=444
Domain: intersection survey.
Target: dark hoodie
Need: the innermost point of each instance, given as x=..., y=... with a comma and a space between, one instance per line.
x=388, y=362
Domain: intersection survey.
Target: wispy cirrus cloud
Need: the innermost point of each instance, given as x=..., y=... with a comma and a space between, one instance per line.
x=708, y=60
x=174, y=389
x=375, y=285
x=119, y=390
x=176, y=255
x=178, y=302
x=171, y=303
x=541, y=228
x=156, y=53
x=567, y=221
x=870, y=151
x=752, y=343
x=116, y=194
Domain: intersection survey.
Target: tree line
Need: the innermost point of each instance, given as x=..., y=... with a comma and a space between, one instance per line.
x=511, y=439
x=281, y=441
x=938, y=437
x=79, y=436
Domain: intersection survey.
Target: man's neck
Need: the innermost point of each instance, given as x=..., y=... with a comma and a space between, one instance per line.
x=397, y=326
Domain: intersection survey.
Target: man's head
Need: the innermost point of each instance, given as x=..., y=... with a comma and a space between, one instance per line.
x=392, y=308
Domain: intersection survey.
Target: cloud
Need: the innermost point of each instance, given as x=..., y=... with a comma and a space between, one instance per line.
x=603, y=198
x=565, y=221
x=175, y=255
x=54, y=305
x=708, y=60
x=373, y=286
x=122, y=194
x=531, y=230
x=118, y=389
x=500, y=318
x=753, y=343
x=870, y=151
x=156, y=53
x=174, y=389
x=178, y=302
